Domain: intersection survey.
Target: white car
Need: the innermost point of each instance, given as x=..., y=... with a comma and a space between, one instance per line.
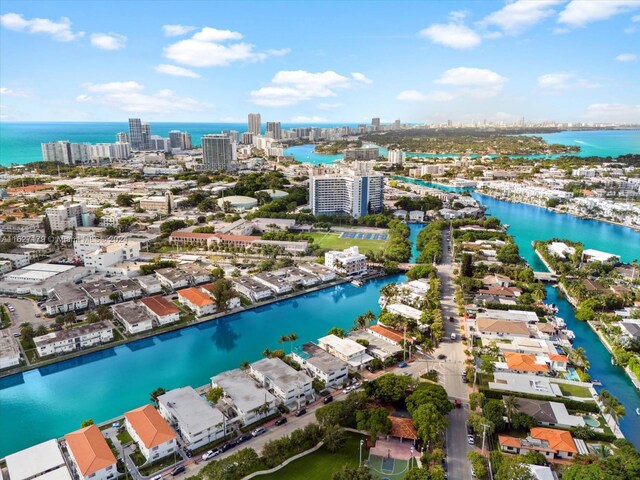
x=210, y=454
x=347, y=390
x=471, y=440
x=258, y=431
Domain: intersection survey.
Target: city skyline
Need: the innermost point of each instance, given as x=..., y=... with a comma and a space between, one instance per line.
x=322, y=62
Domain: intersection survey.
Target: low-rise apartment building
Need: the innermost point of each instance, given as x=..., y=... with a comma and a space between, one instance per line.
x=152, y=433
x=64, y=341
x=162, y=309
x=65, y=298
x=197, y=300
x=90, y=454
x=251, y=289
x=347, y=262
x=345, y=349
x=321, y=365
x=191, y=416
x=286, y=383
x=134, y=317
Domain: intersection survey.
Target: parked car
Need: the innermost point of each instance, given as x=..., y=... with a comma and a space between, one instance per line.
x=371, y=369
x=453, y=336
x=458, y=403
x=258, y=431
x=157, y=477
x=208, y=455
x=328, y=399
x=226, y=446
x=281, y=421
x=451, y=319
x=403, y=365
x=178, y=470
x=244, y=438
x=442, y=356
x=469, y=430
x=357, y=385
x=300, y=412
x=464, y=379
x=471, y=440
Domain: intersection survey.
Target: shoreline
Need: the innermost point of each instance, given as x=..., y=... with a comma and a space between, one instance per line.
x=172, y=328
x=560, y=212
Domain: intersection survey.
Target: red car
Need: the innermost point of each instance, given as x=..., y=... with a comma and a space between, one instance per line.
x=458, y=403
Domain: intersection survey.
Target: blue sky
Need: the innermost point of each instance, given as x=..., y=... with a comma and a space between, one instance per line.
x=317, y=61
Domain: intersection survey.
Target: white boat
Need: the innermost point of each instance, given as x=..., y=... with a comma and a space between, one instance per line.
x=357, y=283
x=570, y=335
x=637, y=411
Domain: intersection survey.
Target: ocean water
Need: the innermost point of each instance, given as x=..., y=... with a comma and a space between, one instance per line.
x=20, y=141
x=600, y=143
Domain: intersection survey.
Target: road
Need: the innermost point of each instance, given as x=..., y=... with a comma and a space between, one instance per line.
x=25, y=311
x=450, y=371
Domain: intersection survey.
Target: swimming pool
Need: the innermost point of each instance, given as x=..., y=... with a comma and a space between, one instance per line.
x=592, y=422
x=571, y=374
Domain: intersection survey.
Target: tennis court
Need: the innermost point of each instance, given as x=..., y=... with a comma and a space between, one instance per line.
x=365, y=236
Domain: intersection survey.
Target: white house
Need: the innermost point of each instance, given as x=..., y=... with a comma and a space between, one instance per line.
x=43, y=461
x=346, y=350
x=276, y=282
x=347, y=262
x=134, y=317
x=150, y=284
x=197, y=422
x=248, y=401
x=151, y=432
x=104, y=257
x=198, y=301
x=64, y=341
x=65, y=298
x=286, y=383
x=590, y=255
x=90, y=454
x=162, y=309
x=321, y=365
x=251, y=289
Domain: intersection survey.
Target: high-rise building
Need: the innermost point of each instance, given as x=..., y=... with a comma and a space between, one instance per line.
x=397, y=157
x=362, y=153
x=375, y=122
x=186, y=141
x=232, y=134
x=66, y=152
x=274, y=130
x=67, y=216
x=175, y=138
x=246, y=138
x=146, y=136
x=218, y=152
x=135, y=133
x=397, y=124
x=123, y=137
x=356, y=191
x=159, y=144
x=255, y=123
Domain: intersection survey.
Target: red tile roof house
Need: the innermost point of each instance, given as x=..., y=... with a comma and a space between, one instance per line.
x=551, y=442
x=162, y=309
x=197, y=300
x=90, y=454
x=151, y=432
x=191, y=238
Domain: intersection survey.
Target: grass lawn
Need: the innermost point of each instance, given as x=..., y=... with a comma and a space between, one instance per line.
x=574, y=390
x=124, y=437
x=137, y=458
x=159, y=464
x=332, y=241
x=321, y=465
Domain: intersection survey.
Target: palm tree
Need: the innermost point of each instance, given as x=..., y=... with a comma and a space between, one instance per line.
x=510, y=407
x=266, y=353
x=579, y=357
x=292, y=338
x=334, y=437
x=364, y=320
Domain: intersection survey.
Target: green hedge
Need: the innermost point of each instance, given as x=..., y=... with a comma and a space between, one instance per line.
x=590, y=407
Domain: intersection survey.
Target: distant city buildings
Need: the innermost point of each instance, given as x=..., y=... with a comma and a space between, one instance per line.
x=254, y=124
x=375, y=123
x=66, y=152
x=356, y=190
x=218, y=152
x=362, y=153
x=397, y=157
x=274, y=130
x=135, y=134
x=69, y=216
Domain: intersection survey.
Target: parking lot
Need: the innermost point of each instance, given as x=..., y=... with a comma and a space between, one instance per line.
x=25, y=310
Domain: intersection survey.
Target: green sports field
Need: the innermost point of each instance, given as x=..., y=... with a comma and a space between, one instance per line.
x=332, y=241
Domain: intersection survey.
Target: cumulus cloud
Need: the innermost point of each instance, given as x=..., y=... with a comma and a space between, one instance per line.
x=177, y=30
x=515, y=17
x=614, y=112
x=579, y=13
x=278, y=53
x=464, y=82
x=176, y=71
x=130, y=97
x=454, y=35
x=555, y=83
x=305, y=119
x=211, y=47
x=108, y=41
x=290, y=87
x=627, y=57
x=10, y=92
x=58, y=30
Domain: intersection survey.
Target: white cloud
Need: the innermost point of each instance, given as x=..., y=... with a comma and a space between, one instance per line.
x=436, y=96
x=627, y=57
x=329, y=106
x=9, y=92
x=305, y=119
x=278, y=53
x=411, y=96
x=555, y=83
x=454, y=35
x=60, y=30
x=176, y=71
x=474, y=82
x=517, y=16
x=290, y=87
x=359, y=77
x=614, y=112
x=108, y=41
x=177, y=30
x=579, y=13
x=129, y=97
x=458, y=15
x=210, y=47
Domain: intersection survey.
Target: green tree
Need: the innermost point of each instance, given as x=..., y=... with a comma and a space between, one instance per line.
x=338, y=332
x=429, y=422
x=476, y=400
x=389, y=387
x=479, y=464
x=513, y=468
x=214, y=394
x=156, y=393
x=510, y=406
x=92, y=317
x=352, y=473
x=429, y=393
x=334, y=437
x=87, y=423
x=374, y=421
x=466, y=265
x=124, y=200
x=417, y=473
x=222, y=291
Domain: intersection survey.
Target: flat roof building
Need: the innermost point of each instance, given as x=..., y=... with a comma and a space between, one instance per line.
x=42, y=461
x=286, y=383
x=134, y=317
x=320, y=364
